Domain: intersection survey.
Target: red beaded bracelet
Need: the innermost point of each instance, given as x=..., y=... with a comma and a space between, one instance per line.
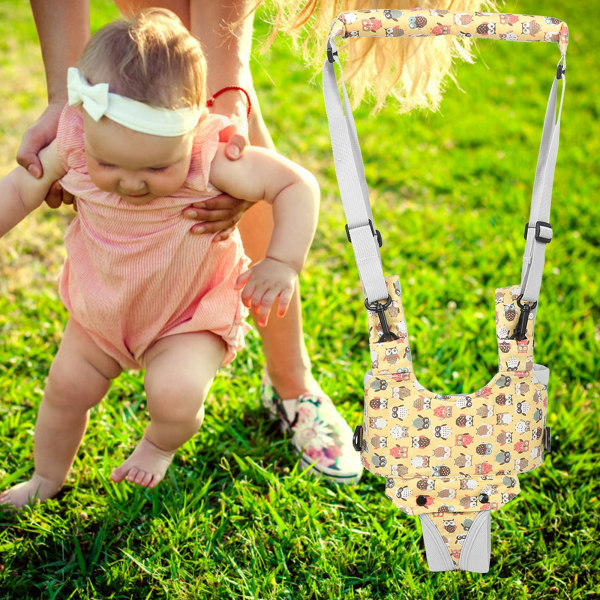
x=211, y=100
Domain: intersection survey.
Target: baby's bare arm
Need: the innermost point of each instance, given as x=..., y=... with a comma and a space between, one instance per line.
x=21, y=192
x=292, y=190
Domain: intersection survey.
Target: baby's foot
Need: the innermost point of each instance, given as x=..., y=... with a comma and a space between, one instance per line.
x=21, y=494
x=146, y=466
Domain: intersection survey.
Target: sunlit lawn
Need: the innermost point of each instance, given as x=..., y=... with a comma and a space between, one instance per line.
x=235, y=517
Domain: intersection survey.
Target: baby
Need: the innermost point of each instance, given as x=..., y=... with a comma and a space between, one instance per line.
x=135, y=145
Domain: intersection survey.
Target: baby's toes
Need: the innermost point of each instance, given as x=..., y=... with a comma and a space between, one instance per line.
x=143, y=478
x=149, y=480
x=132, y=474
x=156, y=479
x=118, y=474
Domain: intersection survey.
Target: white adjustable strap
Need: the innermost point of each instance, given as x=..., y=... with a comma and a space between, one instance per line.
x=350, y=174
x=349, y=169
x=538, y=231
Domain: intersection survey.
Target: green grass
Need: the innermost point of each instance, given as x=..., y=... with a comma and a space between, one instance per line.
x=235, y=517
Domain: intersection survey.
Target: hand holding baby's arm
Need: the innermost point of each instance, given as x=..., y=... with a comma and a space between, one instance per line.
x=263, y=174
x=21, y=192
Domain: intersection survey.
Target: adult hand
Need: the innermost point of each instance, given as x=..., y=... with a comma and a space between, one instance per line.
x=235, y=137
x=38, y=136
x=232, y=105
x=223, y=213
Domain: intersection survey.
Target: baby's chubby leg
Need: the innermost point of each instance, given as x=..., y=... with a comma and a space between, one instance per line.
x=78, y=379
x=179, y=371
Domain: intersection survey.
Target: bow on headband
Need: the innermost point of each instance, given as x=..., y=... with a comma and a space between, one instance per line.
x=94, y=97
x=98, y=102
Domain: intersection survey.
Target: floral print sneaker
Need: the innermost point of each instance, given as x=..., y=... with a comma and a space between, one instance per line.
x=319, y=432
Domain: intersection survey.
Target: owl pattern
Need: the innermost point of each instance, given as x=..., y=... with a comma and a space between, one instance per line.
x=419, y=440
x=451, y=456
x=417, y=22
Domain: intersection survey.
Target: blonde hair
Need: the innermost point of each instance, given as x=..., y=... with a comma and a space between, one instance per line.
x=150, y=57
x=412, y=70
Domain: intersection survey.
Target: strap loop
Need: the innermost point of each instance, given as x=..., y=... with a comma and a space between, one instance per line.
x=541, y=197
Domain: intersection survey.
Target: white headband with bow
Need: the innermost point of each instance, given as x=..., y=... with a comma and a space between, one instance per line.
x=98, y=102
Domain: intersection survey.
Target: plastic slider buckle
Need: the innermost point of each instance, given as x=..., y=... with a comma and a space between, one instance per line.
x=540, y=236
x=331, y=54
x=560, y=71
x=374, y=231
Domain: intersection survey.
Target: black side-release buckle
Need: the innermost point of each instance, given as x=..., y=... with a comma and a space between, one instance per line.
x=374, y=231
x=386, y=334
x=357, y=438
x=547, y=442
x=521, y=328
x=545, y=239
x=331, y=54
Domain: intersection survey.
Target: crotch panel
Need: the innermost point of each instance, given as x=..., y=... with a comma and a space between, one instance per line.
x=457, y=541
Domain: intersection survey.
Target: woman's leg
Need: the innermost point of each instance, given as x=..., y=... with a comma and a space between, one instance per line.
x=287, y=360
x=179, y=372
x=180, y=7
x=79, y=378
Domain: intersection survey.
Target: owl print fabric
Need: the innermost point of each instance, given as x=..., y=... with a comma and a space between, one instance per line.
x=460, y=452
x=450, y=459
x=421, y=22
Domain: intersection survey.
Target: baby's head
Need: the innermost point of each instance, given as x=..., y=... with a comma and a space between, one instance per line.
x=149, y=57
x=140, y=151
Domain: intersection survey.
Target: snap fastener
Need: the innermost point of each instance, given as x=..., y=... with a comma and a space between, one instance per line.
x=484, y=498
x=421, y=500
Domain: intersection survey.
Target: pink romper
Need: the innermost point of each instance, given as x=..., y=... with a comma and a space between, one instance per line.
x=135, y=274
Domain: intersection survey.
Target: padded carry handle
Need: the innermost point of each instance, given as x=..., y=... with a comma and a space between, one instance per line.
x=422, y=22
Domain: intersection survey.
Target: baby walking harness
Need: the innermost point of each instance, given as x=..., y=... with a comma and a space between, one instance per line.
x=450, y=459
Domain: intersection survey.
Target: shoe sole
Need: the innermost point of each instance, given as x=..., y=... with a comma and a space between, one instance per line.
x=315, y=472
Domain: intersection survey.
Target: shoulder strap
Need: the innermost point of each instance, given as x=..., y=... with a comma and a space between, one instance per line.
x=350, y=173
x=538, y=231
x=360, y=227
